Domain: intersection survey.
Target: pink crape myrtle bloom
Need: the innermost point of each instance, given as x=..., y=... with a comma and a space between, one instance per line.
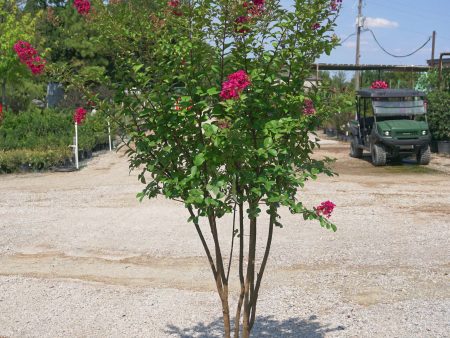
x=234, y=85
x=379, y=85
x=254, y=8
x=29, y=56
x=175, y=4
x=334, y=5
x=79, y=115
x=325, y=208
x=83, y=7
x=308, y=107
x=241, y=20
x=315, y=26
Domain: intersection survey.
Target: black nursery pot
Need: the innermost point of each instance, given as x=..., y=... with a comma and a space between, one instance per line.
x=443, y=147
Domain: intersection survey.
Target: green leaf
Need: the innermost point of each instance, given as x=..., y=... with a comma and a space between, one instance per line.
x=268, y=142
x=136, y=68
x=213, y=91
x=199, y=159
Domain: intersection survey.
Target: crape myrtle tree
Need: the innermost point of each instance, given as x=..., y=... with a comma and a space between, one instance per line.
x=210, y=95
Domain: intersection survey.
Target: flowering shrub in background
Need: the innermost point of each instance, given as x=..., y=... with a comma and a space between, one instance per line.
x=379, y=84
x=29, y=56
x=79, y=115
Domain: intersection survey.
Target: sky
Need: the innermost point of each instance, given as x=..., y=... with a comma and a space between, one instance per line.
x=401, y=26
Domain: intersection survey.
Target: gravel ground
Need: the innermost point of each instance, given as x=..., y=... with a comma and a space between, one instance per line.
x=80, y=257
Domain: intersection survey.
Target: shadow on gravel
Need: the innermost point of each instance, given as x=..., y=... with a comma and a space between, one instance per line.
x=264, y=327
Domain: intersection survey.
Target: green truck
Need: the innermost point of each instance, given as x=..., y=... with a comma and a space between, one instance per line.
x=391, y=124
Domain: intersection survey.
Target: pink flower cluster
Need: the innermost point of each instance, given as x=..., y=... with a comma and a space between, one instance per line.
x=234, y=85
x=83, y=6
x=254, y=9
x=379, y=85
x=175, y=4
x=335, y=4
x=79, y=115
x=315, y=26
x=325, y=208
x=308, y=108
x=29, y=56
x=240, y=21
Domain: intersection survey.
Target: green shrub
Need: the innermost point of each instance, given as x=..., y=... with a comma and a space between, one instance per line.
x=339, y=107
x=35, y=130
x=26, y=159
x=38, y=140
x=439, y=114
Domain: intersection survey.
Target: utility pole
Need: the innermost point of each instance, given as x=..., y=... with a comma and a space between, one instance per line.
x=433, y=45
x=358, y=36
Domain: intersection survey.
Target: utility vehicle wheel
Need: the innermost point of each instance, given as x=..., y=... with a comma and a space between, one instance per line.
x=378, y=155
x=424, y=156
x=354, y=150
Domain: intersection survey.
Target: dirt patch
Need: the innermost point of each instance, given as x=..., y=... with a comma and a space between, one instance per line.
x=80, y=256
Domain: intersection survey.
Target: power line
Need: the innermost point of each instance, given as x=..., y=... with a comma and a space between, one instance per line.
x=393, y=55
x=348, y=37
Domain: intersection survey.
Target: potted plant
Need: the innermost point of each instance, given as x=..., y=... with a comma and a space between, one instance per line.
x=439, y=119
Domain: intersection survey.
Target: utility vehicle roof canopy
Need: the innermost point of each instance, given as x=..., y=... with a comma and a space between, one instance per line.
x=386, y=93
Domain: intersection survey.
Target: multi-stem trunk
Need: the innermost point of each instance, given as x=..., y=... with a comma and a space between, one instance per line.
x=221, y=279
x=250, y=278
x=249, y=284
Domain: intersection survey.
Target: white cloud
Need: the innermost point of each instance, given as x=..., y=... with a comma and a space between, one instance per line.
x=379, y=23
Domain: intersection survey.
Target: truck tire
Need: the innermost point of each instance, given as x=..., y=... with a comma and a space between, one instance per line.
x=354, y=150
x=378, y=155
x=424, y=156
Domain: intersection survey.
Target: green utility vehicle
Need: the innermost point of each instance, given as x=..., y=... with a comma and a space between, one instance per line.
x=391, y=124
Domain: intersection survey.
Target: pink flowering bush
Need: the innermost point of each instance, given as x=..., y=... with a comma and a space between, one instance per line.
x=29, y=56
x=220, y=122
x=325, y=208
x=83, y=7
x=379, y=85
x=79, y=115
x=234, y=85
